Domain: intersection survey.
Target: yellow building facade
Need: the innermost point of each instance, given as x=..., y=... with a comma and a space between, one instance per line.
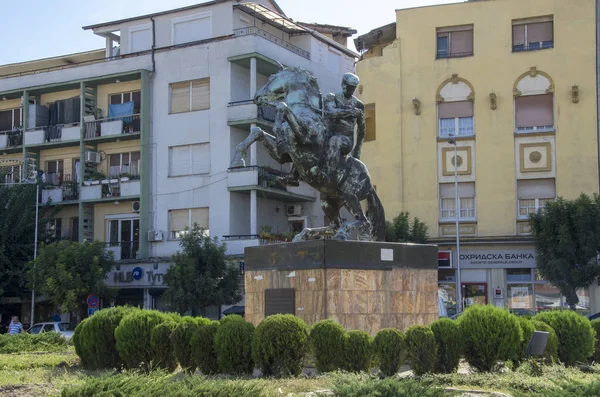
x=515, y=83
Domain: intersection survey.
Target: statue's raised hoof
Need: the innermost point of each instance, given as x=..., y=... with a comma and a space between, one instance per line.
x=237, y=163
x=255, y=130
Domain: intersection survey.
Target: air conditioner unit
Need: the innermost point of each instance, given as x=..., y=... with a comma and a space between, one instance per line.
x=135, y=206
x=93, y=157
x=293, y=210
x=155, y=235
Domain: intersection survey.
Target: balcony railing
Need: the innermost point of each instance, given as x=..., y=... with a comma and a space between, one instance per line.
x=542, y=45
x=256, y=31
x=13, y=138
x=60, y=132
x=264, y=112
x=112, y=126
x=446, y=54
x=58, y=188
x=123, y=250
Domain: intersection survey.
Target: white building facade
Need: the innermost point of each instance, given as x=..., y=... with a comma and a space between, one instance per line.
x=193, y=72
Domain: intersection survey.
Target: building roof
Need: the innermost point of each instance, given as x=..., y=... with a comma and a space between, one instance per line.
x=204, y=4
x=331, y=29
x=368, y=40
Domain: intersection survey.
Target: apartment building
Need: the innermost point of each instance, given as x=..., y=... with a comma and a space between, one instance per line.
x=133, y=141
x=515, y=83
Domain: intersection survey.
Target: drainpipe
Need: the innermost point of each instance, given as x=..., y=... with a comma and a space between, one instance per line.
x=153, y=44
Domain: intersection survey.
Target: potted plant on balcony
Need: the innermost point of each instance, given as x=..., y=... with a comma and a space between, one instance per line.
x=125, y=176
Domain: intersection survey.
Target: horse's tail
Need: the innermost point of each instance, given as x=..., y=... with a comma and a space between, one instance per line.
x=376, y=216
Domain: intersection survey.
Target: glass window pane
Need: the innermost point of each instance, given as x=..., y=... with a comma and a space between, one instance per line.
x=520, y=296
x=547, y=297
x=518, y=275
x=443, y=46
x=446, y=275
x=448, y=294
x=474, y=294
x=447, y=127
x=465, y=126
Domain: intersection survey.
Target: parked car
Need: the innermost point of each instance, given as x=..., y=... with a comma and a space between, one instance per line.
x=64, y=329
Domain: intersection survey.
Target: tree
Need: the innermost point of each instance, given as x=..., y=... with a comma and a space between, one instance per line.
x=400, y=230
x=200, y=276
x=67, y=272
x=567, y=240
x=17, y=233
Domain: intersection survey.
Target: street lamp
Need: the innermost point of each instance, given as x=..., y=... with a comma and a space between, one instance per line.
x=452, y=141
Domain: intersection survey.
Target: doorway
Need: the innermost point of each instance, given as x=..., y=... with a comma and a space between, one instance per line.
x=126, y=234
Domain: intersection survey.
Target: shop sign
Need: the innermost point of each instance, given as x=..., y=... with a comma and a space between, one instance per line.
x=137, y=274
x=498, y=258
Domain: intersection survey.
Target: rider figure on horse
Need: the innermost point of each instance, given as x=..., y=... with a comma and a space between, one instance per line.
x=343, y=111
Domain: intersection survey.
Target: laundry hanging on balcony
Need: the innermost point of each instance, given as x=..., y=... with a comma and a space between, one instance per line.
x=121, y=110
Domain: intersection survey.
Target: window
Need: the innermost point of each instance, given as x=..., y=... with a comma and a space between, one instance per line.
x=124, y=163
x=456, y=119
x=140, y=38
x=466, y=201
x=533, y=194
x=192, y=95
x=179, y=220
x=191, y=28
x=54, y=172
x=124, y=233
x=455, y=42
x=124, y=97
x=9, y=119
x=371, y=133
x=533, y=34
x=189, y=159
x=519, y=275
x=54, y=229
x=534, y=113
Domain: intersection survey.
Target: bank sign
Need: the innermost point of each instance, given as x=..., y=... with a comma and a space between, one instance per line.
x=136, y=276
x=497, y=258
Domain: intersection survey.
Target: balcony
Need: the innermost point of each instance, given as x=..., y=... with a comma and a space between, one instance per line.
x=58, y=190
x=109, y=128
x=256, y=31
x=53, y=134
x=244, y=113
x=250, y=178
x=123, y=250
x=11, y=139
x=111, y=188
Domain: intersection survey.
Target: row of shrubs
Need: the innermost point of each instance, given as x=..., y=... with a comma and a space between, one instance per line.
x=483, y=335
x=44, y=342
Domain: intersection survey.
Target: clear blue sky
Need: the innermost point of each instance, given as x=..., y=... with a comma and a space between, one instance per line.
x=34, y=29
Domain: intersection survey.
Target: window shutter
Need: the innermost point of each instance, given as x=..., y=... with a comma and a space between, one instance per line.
x=192, y=30
x=448, y=110
x=180, y=97
x=534, y=110
x=518, y=35
x=179, y=160
x=6, y=122
x=179, y=219
x=201, y=94
x=538, y=32
x=535, y=188
x=465, y=189
x=462, y=42
x=201, y=158
x=140, y=40
x=200, y=216
x=461, y=28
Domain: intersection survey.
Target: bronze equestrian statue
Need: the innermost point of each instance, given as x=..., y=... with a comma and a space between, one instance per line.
x=316, y=134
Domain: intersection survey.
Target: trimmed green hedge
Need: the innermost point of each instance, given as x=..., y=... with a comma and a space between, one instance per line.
x=95, y=341
x=280, y=345
x=449, y=345
x=164, y=355
x=389, y=347
x=203, y=348
x=596, y=326
x=422, y=349
x=490, y=335
x=133, y=335
x=327, y=341
x=358, y=351
x=575, y=335
x=181, y=340
x=233, y=342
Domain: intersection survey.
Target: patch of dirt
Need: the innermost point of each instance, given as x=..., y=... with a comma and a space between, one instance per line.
x=23, y=390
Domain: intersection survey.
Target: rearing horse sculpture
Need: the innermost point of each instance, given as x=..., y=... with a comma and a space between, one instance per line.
x=301, y=137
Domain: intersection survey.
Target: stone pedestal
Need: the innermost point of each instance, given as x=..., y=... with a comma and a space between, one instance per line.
x=361, y=285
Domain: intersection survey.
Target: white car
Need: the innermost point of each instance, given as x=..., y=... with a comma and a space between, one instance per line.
x=54, y=326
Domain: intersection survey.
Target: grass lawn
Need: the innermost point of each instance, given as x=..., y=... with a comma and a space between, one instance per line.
x=47, y=374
